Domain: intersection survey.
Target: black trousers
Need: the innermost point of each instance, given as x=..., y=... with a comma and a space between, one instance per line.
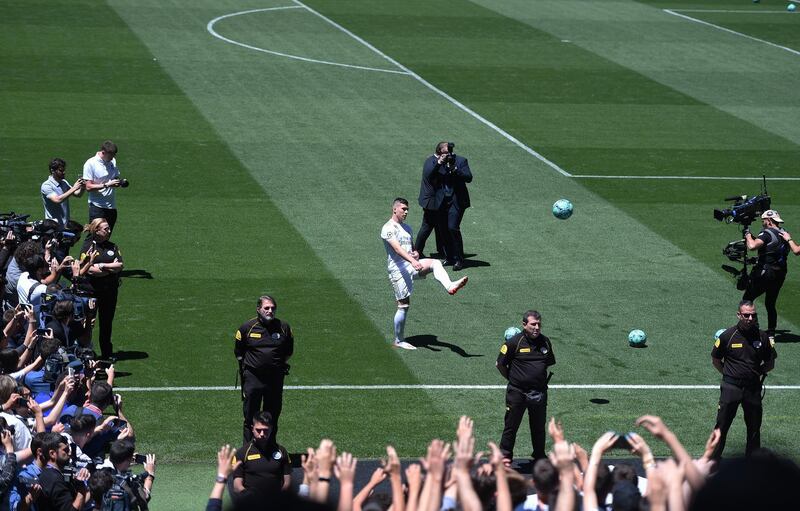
x=767, y=283
x=730, y=397
x=516, y=404
x=261, y=391
x=452, y=225
x=109, y=214
x=106, y=309
x=432, y=222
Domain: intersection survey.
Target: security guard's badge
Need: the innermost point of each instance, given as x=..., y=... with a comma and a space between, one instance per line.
x=110, y=253
x=275, y=337
x=544, y=350
x=757, y=344
x=503, y=349
x=277, y=454
x=716, y=343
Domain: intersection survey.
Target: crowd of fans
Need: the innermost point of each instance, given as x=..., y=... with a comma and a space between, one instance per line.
x=452, y=476
x=66, y=441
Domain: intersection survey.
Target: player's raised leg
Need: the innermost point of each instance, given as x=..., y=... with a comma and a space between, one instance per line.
x=440, y=274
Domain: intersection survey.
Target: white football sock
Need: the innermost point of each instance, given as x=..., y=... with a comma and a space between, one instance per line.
x=399, y=323
x=440, y=274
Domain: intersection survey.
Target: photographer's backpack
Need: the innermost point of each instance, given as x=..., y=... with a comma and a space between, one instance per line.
x=117, y=498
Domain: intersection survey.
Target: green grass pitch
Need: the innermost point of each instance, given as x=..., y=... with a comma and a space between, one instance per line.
x=256, y=172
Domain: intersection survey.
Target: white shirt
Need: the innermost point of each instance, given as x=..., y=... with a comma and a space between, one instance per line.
x=100, y=171
x=24, y=285
x=22, y=435
x=402, y=233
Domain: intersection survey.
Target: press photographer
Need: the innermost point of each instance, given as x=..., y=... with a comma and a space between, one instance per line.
x=133, y=488
x=444, y=198
x=61, y=490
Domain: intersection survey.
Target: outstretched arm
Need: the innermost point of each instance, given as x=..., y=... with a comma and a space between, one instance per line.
x=793, y=246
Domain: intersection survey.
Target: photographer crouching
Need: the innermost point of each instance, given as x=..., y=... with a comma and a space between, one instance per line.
x=769, y=272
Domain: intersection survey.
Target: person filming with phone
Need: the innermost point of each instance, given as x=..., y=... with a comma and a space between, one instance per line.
x=105, y=265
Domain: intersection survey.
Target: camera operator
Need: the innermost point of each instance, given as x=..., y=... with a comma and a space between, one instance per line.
x=137, y=487
x=444, y=197
x=102, y=177
x=56, y=192
x=104, y=267
x=769, y=271
x=60, y=493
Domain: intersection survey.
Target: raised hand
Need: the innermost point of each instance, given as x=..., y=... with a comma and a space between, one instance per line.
x=345, y=468
x=225, y=461
x=654, y=425
x=556, y=430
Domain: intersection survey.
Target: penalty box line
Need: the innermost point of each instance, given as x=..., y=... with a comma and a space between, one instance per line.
x=445, y=387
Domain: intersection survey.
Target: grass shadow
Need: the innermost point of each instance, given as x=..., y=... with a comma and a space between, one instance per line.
x=432, y=343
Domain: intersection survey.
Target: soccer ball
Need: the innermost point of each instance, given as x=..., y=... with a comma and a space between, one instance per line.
x=562, y=209
x=791, y=7
x=637, y=338
x=719, y=332
x=511, y=332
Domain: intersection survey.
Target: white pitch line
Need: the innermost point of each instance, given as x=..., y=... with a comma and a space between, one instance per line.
x=695, y=20
x=440, y=92
x=210, y=28
x=732, y=11
x=718, y=178
x=447, y=387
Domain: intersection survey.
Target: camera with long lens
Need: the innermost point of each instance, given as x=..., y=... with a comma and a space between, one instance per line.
x=17, y=224
x=743, y=211
x=450, y=159
x=124, y=183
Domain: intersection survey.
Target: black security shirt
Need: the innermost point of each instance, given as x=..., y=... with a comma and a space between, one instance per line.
x=747, y=355
x=262, y=472
x=107, y=252
x=264, y=347
x=527, y=361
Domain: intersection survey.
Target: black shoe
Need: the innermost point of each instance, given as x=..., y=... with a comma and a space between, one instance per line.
x=458, y=266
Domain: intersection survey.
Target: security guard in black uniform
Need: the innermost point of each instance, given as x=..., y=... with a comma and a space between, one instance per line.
x=265, y=468
x=263, y=346
x=744, y=355
x=769, y=271
x=523, y=361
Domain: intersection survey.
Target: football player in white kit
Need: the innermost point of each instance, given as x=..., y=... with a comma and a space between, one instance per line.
x=405, y=266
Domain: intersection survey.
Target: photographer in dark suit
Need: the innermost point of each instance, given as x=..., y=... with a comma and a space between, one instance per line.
x=444, y=197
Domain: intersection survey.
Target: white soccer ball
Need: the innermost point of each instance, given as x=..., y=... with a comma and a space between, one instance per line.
x=562, y=209
x=637, y=338
x=511, y=332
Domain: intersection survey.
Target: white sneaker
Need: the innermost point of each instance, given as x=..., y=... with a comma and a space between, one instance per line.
x=404, y=345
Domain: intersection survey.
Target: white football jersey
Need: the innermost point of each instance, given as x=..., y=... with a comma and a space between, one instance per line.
x=402, y=233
